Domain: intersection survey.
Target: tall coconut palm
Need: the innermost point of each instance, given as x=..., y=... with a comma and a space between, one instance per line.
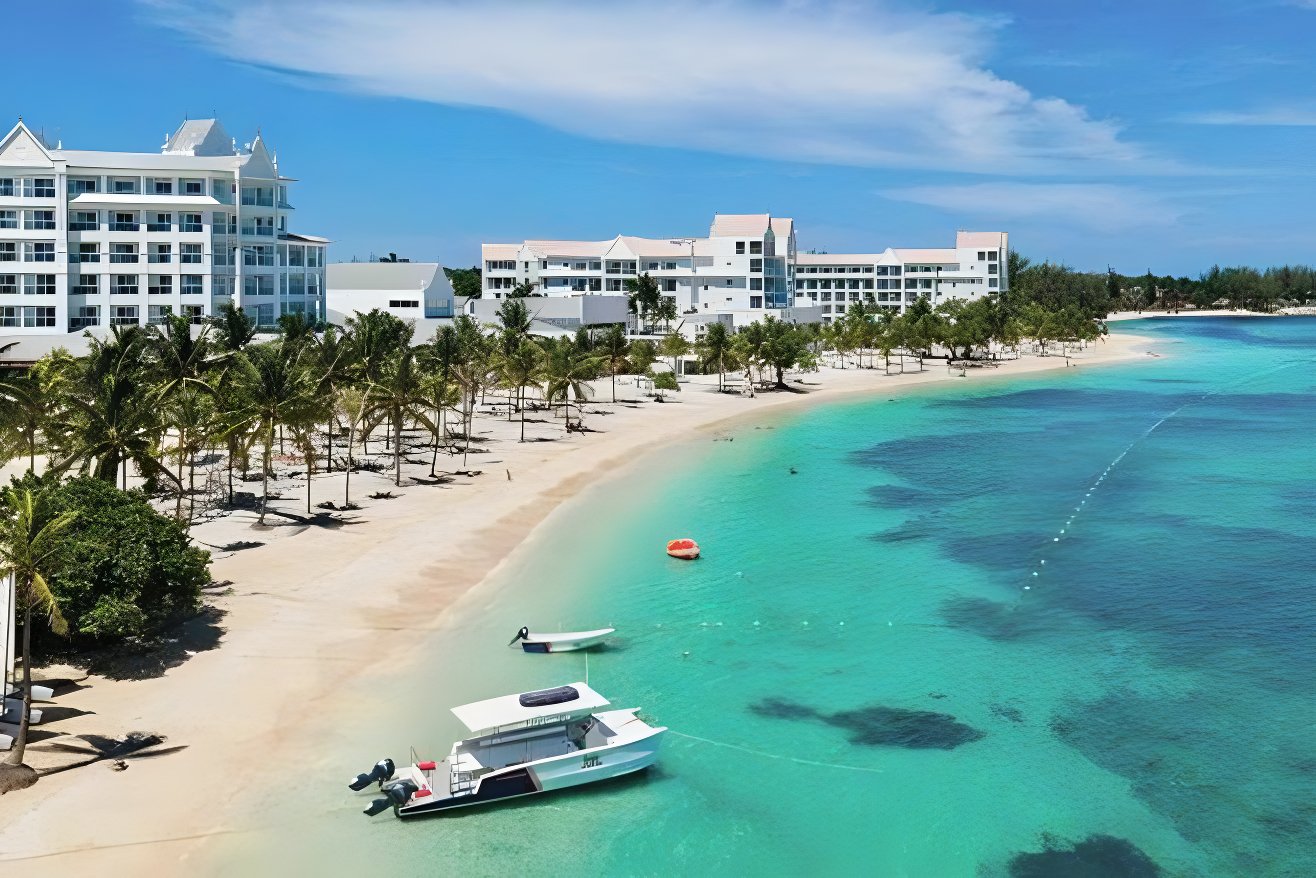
x=29, y=536
x=439, y=360
x=24, y=406
x=523, y=368
x=350, y=406
x=336, y=365
x=399, y=393
x=234, y=330
x=614, y=352
x=278, y=391
x=107, y=417
x=377, y=337
x=715, y=349
x=569, y=371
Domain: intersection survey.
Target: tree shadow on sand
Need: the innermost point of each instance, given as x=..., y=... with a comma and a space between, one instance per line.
x=142, y=660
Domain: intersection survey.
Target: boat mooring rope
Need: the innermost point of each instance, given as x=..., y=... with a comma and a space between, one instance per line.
x=779, y=756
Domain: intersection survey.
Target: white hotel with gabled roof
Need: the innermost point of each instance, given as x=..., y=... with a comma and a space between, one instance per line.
x=749, y=266
x=92, y=239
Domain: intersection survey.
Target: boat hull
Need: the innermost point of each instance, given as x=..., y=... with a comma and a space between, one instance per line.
x=549, y=775
x=565, y=642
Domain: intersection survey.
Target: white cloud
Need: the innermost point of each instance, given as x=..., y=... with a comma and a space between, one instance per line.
x=1276, y=117
x=1099, y=206
x=811, y=80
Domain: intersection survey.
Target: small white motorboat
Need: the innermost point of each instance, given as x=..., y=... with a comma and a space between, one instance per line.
x=568, y=641
x=534, y=742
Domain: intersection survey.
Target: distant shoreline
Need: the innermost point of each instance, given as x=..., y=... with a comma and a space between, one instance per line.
x=1125, y=316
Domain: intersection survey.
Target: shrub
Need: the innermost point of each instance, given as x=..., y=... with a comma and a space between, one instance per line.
x=123, y=569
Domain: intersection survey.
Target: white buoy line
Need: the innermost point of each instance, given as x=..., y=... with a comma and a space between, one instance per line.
x=766, y=755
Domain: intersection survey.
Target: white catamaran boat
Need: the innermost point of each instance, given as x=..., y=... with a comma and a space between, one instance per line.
x=567, y=641
x=534, y=742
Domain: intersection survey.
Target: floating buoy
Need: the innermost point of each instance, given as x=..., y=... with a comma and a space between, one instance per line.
x=685, y=549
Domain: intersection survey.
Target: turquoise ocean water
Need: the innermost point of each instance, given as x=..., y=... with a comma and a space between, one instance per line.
x=1061, y=625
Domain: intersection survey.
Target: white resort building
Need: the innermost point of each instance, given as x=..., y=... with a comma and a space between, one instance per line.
x=749, y=266
x=410, y=290
x=90, y=239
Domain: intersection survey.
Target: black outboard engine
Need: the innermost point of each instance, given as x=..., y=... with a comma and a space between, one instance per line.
x=396, y=794
x=382, y=771
x=520, y=635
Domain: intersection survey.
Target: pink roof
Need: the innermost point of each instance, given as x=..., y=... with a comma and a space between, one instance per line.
x=729, y=225
x=569, y=248
x=499, y=252
x=933, y=256
x=989, y=240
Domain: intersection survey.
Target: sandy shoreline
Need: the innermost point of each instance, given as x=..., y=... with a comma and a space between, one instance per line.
x=302, y=616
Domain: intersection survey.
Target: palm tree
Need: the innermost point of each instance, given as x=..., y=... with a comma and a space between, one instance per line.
x=439, y=360
x=349, y=405
x=521, y=369
x=28, y=543
x=644, y=297
x=569, y=371
x=399, y=394
x=234, y=330
x=23, y=409
x=716, y=348
x=378, y=336
x=336, y=365
x=106, y=419
x=614, y=352
x=279, y=391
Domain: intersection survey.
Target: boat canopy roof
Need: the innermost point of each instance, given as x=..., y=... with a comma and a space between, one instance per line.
x=506, y=713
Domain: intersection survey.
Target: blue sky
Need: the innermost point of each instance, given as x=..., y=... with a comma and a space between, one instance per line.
x=1165, y=134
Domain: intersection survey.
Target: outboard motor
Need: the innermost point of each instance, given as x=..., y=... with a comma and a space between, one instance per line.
x=382, y=771
x=396, y=794
x=520, y=635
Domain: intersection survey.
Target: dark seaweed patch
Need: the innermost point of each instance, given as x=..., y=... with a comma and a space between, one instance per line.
x=1097, y=856
x=907, y=532
x=879, y=726
x=900, y=496
x=992, y=619
x=1005, y=711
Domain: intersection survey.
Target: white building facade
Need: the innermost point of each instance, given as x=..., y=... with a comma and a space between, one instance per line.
x=749, y=266
x=92, y=239
x=409, y=290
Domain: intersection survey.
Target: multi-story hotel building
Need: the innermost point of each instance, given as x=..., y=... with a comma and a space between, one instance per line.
x=749, y=266
x=97, y=239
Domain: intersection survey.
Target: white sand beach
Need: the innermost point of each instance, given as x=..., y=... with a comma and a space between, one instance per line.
x=307, y=607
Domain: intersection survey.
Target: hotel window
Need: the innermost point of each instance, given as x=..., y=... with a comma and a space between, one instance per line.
x=189, y=253
x=8, y=219
x=156, y=314
x=651, y=266
x=296, y=256
x=614, y=286
x=756, y=247
x=123, y=253
x=756, y=301
x=991, y=282
x=124, y=185
x=756, y=283
x=88, y=315
x=40, y=220
x=83, y=221
x=162, y=187
x=192, y=285
x=8, y=251
x=124, y=222
x=192, y=187
x=123, y=314
x=38, y=285
x=6, y=186
x=9, y=315
x=982, y=255
x=669, y=285
x=222, y=190
x=404, y=303
x=87, y=253
x=79, y=185
x=258, y=285
x=8, y=284
x=756, y=266
x=160, y=253
x=39, y=316
x=124, y=285
x=38, y=187
x=84, y=285
x=194, y=314
x=190, y=222
x=991, y=268
x=160, y=285
x=159, y=222
x=669, y=266
x=740, y=248
x=991, y=255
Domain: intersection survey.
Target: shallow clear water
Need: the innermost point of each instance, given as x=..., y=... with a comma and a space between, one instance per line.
x=995, y=628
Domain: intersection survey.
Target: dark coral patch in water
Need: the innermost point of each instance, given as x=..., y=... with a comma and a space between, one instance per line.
x=1097, y=856
x=879, y=726
x=993, y=619
x=1005, y=711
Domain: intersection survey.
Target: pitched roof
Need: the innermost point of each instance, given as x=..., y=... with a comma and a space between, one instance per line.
x=570, y=248
x=782, y=226
x=408, y=276
x=200, y=137
x=837, y=258
x=499, y=252
x=726, y=225
x=992, y=240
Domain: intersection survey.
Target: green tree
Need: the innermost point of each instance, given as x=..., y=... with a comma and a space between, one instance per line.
x=674, y=345
x=466, y=282
x=569, y=371
x=29, y=535
x=665, y=381
x=523, y=368
x=523, y=290
x=400, y=394
x=643, y=353
x=234, y=330
x=715, y=349
x=614, y=351
x=643, y=297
